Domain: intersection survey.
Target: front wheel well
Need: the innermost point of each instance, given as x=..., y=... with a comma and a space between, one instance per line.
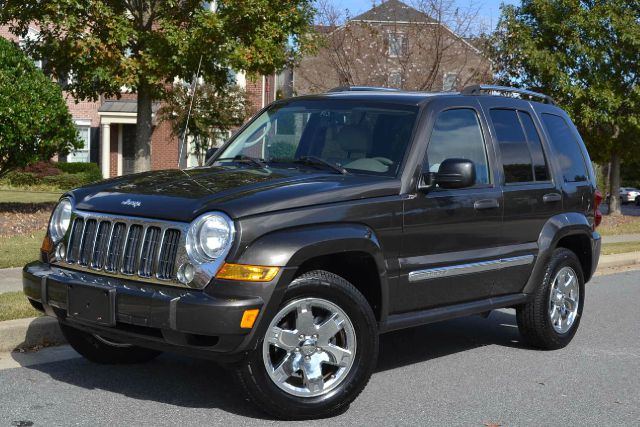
x=580, y=245
x=358, y=268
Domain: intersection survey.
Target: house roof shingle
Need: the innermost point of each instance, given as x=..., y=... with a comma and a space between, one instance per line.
x=393, y=11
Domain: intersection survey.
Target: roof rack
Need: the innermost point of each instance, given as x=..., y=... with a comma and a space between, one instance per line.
x=478, y=89
x=361, y=89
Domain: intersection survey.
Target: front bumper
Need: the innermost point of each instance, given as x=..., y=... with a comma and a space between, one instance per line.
x=154, y=316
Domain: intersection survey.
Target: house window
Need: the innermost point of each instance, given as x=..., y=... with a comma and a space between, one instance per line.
x=81, y=155
x=32, y=36
x=395, y=80
x=449, y=81
x=397, y=44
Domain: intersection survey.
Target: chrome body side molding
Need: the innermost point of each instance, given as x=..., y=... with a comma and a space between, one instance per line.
x=474, y=267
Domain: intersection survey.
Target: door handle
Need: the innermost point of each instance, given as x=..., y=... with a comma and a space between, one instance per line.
x=551, y=198
x=485, y=204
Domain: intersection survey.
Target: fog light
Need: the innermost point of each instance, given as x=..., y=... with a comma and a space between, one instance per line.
x=185, y=273
x=61, y=251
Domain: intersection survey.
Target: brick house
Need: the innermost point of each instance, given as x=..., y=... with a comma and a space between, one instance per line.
x=392, y=45
x=107, y=126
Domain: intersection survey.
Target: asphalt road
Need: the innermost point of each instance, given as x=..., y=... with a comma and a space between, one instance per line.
x=468, y=372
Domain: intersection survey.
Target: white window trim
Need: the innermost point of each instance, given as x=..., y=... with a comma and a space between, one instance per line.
x=389, y=36
x=87, y=149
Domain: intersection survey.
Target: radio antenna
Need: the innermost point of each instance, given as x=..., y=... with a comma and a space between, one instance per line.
x=186, y=126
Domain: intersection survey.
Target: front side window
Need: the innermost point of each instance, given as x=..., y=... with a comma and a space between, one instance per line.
x=457, y=134
x=565, y=144
x=363, y=138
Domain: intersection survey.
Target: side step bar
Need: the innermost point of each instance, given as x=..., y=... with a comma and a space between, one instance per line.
x=417, y=318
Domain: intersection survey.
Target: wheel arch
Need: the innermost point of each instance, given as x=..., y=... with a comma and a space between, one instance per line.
x=572, y=231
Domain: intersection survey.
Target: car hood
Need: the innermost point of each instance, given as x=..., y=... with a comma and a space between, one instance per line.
x=182, y=195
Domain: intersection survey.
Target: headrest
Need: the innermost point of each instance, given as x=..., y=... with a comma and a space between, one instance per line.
x=353, y=139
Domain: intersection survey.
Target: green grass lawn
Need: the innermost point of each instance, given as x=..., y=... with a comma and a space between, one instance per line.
x=14, y=305
x=16, y=251
x=619, y=248
x=13, y=196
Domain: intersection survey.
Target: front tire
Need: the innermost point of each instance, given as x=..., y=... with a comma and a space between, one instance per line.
x=318, y=352
x=550, y=319
x=104, y=351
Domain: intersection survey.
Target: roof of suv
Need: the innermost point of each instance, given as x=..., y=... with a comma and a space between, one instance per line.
x=379, y=94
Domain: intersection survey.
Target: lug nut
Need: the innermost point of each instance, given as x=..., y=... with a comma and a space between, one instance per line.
x=307, y=358
x=318, y=349
x=301, y=336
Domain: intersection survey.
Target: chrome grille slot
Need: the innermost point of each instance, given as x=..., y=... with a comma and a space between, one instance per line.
x=149, y=251
x=75, y=239
x=100, y=248
x=168, y=253
x=88, y=240
x=114, y=253
x=132, y=249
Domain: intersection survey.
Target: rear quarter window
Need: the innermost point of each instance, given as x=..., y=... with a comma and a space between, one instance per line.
x=567, y=150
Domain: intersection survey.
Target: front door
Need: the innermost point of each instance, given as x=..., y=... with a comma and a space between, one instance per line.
x=128, y=148
x=452, y=237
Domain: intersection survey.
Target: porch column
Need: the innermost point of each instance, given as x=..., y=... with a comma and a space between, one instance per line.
x=106, y=150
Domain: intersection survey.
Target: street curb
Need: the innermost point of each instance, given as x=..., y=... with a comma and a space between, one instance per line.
x=29, y=333
x=619, y=260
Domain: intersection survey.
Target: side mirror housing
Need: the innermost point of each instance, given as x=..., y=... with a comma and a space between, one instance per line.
x=210, y=153
x=453, y=173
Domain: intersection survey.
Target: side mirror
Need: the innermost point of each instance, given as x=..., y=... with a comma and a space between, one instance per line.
x=210, y=153
x=453, y=173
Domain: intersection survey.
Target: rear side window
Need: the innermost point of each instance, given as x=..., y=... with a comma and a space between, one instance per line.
x=566, y=148
x=457, y=134
x=522, y=156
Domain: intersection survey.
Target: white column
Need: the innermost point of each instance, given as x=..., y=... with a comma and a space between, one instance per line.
x=106, y=150
x=120, y=132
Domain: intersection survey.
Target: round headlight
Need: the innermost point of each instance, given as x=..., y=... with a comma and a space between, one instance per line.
x=60, y=220
x=209, y=237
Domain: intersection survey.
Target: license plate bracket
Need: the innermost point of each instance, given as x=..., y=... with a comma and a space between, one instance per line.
x=92, y=304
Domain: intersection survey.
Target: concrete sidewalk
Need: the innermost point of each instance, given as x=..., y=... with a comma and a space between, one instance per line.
x=621, y=238
x=10, y=280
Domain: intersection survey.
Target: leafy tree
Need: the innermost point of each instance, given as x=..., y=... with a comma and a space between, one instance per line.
x=586, y=54
x=213, y=113
x=35, y=122
x=144, y=44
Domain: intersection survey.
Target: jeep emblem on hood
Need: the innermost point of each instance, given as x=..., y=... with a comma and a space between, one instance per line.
x=132, y=203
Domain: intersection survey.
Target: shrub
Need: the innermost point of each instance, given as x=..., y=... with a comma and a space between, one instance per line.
x=92, y=170
x=19, y=179
x=42, y=169
x=67, y=181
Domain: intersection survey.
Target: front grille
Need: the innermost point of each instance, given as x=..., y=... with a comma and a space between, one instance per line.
x=123, y=246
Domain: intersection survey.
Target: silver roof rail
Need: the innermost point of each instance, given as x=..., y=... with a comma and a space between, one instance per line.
x=478, y=89
x=361, y=89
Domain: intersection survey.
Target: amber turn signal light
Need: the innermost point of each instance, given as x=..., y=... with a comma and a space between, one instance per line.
x=247, y=273
x=47, y=245
x=249, y=318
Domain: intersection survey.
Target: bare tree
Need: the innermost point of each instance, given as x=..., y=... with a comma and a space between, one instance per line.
x=422, y=46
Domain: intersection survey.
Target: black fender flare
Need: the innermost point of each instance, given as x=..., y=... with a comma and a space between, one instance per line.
x=556, y=228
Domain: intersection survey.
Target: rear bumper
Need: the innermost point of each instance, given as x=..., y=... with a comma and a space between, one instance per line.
x=154, y=316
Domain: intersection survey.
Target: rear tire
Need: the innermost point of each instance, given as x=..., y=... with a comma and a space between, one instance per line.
x=550, y=319
x=101, y=350
x=318, y=353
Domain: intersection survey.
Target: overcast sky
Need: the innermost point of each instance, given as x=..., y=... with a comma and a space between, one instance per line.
x=489, y=9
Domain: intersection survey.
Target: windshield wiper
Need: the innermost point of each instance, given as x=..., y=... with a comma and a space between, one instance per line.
x=247, y=159
x=317, y=161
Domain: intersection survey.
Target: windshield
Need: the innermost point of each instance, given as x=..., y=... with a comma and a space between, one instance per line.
x=359, y=137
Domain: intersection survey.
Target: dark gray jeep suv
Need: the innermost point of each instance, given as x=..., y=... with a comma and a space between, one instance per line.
x=322, y=223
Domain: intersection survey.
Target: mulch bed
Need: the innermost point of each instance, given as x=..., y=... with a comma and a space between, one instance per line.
x=24, y=218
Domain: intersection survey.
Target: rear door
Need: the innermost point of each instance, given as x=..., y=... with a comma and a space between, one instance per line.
x=450, y=250
x=531, y=196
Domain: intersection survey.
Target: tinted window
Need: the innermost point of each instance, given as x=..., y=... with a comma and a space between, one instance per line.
x=457, y=134
x=566, y=148
x=516, y=159
x=540, y=169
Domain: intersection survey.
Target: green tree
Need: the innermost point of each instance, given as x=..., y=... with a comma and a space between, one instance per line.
x=586, y=54
x=35, y=123
x=144, y=44
x=213, y=112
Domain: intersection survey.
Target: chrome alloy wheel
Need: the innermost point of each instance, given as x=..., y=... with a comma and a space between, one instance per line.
x=309, y=347
x=564, y=299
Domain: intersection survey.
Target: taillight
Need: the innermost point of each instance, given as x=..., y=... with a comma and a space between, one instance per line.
x=597, y=215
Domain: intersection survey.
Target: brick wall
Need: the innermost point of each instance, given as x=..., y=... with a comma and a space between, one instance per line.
x=113, y=157
x=164, y=147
